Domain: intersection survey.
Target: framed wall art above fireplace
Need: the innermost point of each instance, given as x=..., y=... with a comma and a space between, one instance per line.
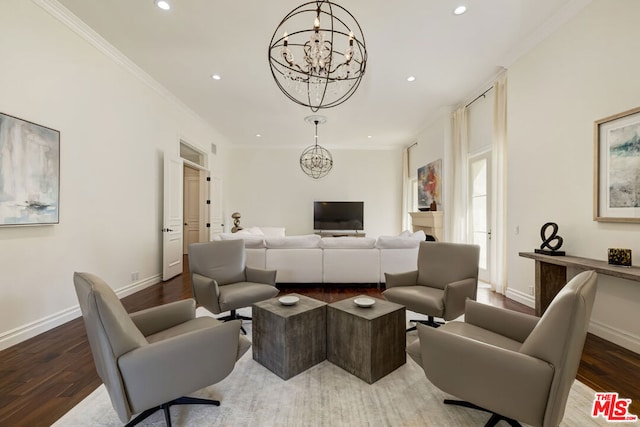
x=429, y=184
x=29, y=173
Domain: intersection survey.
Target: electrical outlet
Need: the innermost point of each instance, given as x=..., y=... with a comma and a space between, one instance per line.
x=134, y=276
x=530, y=290
x=517, y=229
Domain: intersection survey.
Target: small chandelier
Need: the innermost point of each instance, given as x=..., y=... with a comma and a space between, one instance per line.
x=316, y=161
x=318, y=55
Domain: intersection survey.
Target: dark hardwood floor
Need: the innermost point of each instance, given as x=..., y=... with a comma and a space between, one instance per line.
x=44, y=377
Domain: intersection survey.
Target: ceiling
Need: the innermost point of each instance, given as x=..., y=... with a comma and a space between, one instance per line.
x=451, y=56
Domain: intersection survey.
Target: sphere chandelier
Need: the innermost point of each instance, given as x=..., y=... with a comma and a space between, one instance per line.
x=316, y=161
x=318, y=55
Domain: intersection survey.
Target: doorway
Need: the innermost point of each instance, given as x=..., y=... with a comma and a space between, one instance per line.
x=185, y=206
x=191, y=207
x=480, y=210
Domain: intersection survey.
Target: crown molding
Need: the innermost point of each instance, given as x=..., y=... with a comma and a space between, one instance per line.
x=331, y=147
x=64, y=15
x=567, y=12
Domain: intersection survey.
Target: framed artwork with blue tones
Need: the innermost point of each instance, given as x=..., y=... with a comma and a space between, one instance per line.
x=617, y=168
x=29, y=173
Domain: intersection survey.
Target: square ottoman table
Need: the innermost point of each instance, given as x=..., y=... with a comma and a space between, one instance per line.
x=368, y=342
x=288, y=339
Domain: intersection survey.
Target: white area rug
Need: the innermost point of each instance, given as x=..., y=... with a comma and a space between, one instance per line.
x=324, y=395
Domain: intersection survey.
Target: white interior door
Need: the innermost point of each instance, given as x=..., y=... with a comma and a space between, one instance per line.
x=172, y=225
x=216, y=212
x=480, y=210
x=191, y=207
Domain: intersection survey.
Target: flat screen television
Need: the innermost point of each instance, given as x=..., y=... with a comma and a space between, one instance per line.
x=338, y=215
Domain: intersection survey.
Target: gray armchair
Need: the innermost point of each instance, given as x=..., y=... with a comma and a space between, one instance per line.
x=149, y=359
x=446, y=276
x=513, y=365
x=222, y=282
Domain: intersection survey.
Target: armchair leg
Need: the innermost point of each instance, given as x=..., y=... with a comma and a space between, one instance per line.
x=233, y=316
x=493, y=421
x=167, y=414
x=165, y=407
x=429, y=322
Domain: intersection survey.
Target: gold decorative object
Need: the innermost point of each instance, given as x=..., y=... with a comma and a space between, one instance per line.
x=619, y=256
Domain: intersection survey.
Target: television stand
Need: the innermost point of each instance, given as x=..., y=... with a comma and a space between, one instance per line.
x=341, y=233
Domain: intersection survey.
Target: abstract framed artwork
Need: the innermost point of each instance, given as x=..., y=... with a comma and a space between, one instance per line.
x=617, y=168
x=29, y=173
x=429, y=184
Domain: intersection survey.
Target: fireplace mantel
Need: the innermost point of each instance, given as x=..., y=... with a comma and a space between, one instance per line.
x=429, y=221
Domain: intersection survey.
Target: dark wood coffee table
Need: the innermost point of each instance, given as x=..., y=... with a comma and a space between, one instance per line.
x=289, y=339
x=366, y=342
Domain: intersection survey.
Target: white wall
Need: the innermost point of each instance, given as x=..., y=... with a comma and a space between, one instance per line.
x=114, y=130
x=480, y=126
x=268, y=188
x=434, y=142
x=585, y=71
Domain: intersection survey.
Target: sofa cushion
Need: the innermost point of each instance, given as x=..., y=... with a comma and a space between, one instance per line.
x=263, y=231
x=254, y=231
x=396, y=242
x=348, y=242
x=406, y=240
x=250, y=240
x=293, y=242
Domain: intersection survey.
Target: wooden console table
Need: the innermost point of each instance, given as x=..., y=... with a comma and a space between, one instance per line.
x=553, y=272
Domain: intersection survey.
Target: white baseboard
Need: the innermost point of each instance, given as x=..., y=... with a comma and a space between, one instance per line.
x=521, y=297
x=30, y=330
x=138, y=286
x=24, y=332
x=616, y=336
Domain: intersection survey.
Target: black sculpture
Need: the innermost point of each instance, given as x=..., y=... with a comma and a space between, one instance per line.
x=552, y=249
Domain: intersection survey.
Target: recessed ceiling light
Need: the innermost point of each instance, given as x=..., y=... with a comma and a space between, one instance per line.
x=369, y=136
x=163, y=4
x=460, y=10
x=216, y=77
x=258, y=135
x=411, y=79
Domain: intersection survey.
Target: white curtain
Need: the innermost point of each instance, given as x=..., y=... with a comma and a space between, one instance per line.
x=499, y=184
x=406, y=189
x=459, y=156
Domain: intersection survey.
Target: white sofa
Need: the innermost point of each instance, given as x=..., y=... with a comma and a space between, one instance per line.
x=296, y=259
x=350, y=260
x=312, y=259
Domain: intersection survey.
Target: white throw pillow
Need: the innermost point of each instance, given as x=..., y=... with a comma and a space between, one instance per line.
x=254, y=231
x=405, y=233
x=250, y=241
x=272, y=231
x=418, y=235
x=306, y=241
x=348, y=242
x=396, y=242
